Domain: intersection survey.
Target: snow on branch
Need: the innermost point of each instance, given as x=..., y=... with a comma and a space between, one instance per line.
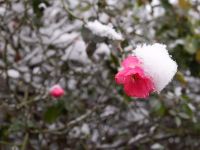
x=102, y=30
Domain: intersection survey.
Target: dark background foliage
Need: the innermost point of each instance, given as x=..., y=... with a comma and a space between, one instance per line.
x=44, y=42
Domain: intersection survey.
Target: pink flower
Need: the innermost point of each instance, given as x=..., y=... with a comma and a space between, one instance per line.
x=56, y=91
x=133, y=78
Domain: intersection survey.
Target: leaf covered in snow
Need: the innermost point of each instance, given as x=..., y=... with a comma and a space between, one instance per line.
x=102, y=30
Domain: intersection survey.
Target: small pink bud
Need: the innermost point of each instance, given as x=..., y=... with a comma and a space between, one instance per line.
x=56, y=91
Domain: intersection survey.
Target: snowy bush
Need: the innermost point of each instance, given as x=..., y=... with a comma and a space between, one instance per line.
x=79, y=46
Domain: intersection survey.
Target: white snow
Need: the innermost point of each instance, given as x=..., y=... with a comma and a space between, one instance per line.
x=157, y=63
x=102, y=30
x=102, y=50
x=36, y=59
x=85, y=129
x=173, y=2
x=2, y=11
x=109, y=110
x=157, y=146
x=42, y=5
x=112, y=2
x=177, y=91
x=103, y=17
x=76, y=52
x=13, y=73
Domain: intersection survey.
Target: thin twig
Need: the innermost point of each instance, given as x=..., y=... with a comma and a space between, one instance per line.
x=24, y=144
x=65, y=129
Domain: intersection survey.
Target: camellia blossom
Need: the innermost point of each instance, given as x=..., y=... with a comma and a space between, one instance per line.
x=132, y=76
x=56, y=91
x=149, y=69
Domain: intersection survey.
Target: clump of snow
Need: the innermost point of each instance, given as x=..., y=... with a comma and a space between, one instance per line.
x=173, y=2
x=157, y=146
x=103, y=17
x=102, y=30
x=112, y=2
x=76, y=52
x=13, y=73
x=42, y=6
x=2, y=11
x=109, y=110
x=178, y=91
x=102, y=51
x=85, y=129
x=157, y=63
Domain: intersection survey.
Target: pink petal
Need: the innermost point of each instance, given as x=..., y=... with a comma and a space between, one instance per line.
x=132, y=71
x=139, y=87
x=121, y=75
x=130, y=62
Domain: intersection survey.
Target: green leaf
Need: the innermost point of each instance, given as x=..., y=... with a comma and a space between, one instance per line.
x=17, y=125
x=197, y=57
x=166, y=5
x=53, y=112
x=102, y=4
x=86, y=8
x=194, y=68
x=183, y=115
x=188, y=109
x=159, y=108
x=3, y=132
x=36, y=9
x=180, y=77
x=172, y=112
x=91, y=47
x=178, y=121
x=35, y=5
x=127, y=98
x=191, y=45
x=114, y=59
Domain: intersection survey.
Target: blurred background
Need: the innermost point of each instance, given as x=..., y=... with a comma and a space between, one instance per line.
x=44, y=42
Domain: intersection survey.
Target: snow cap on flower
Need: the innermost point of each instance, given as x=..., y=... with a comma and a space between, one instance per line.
x=102, y=30
x=156, y=63
x=56, y=91
x=149, y=69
